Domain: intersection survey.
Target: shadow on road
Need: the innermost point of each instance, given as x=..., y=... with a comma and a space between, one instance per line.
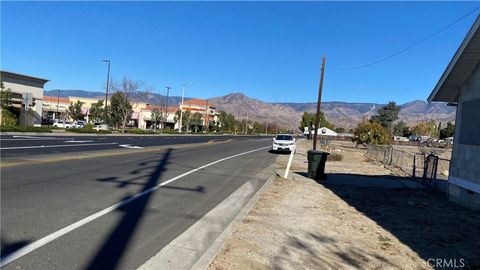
x=7, y=248
x=112, y=250
x=426, y=222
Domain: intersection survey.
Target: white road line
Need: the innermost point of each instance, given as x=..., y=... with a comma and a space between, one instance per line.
x=35, y=139
x=51, y=237
x=73, y=141
x=54, y=146
x=130, y=146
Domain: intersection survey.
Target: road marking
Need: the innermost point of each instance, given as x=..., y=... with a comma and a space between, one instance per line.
x=51, y=237
x=54, y=146
x=73, y=141
x=129, y=146
x=25, y=137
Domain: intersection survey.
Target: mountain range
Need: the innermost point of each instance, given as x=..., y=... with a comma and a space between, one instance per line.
x=341, y=114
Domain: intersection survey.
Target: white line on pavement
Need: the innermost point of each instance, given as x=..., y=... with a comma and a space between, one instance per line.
x=53, y=146
x=130, y=146
x=73, y=141
x=51, y=237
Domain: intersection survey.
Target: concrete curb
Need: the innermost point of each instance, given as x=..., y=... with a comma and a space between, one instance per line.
x=217, y=245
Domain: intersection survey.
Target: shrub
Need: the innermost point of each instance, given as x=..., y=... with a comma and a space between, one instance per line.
x=24, y=129
x=371, y=133
x=335, y=157
x=8, y=118
x=140, y=131
x=86, y=130
x=89, y=126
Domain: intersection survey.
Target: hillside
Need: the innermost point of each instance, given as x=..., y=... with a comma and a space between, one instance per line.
x=151, y=98
x=342, y=114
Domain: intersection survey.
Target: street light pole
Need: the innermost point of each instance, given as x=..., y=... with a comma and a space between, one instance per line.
x=181, y=110
x=58, y=103
x=106, y=93
x=166, y=109
x=180, y=123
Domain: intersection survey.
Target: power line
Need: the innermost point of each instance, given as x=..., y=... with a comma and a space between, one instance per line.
x=411, y=46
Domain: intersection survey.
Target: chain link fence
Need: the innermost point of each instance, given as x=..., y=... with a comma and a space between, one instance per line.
x=424, y=164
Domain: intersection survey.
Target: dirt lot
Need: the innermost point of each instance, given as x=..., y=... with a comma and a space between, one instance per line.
x=301, y=224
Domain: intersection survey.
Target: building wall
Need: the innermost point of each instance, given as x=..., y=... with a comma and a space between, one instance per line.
x=464, y=179
x=26, y=86
x=21, y=86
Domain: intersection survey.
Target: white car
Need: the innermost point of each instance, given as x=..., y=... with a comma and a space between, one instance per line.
x=62, y=124
x=283, y=142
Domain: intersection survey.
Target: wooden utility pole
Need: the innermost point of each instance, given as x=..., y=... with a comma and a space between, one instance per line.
x=317, y=118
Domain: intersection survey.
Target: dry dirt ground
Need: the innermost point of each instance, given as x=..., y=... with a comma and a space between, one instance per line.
x=301, y=224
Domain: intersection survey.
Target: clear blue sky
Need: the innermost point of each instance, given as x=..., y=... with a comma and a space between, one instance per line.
x=267, y=50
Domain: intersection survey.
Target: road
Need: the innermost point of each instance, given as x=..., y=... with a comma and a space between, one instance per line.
x=65, y=214
x=17, y=146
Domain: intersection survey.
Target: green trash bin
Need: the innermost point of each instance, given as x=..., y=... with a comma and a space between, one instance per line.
x=316, y=164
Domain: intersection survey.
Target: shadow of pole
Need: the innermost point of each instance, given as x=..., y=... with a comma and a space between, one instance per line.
x=113, y=248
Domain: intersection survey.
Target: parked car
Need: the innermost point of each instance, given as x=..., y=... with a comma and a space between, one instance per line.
x=283, y=142
x=62, y=124
x=99, y=127
x=78, y=124
x=47, y=121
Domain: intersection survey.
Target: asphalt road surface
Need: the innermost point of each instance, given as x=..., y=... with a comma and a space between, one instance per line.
x=56, y=215
x=12, y=146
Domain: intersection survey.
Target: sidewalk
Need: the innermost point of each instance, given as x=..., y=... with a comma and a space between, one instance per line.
x=362, y=217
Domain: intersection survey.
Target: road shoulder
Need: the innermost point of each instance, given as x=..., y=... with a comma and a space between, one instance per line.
x=198, y=245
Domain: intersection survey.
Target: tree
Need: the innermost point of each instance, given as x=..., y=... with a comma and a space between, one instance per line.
x=186, y=116
x=387, y=115
x=426, y=129
x=448, y=131
x=197, y=120
x=97, y=111
x=9, y=114
x=258, y=127
x=398, y=128
x=126, y=93
x=371, y=133
x=340, y=130
x=227, y=121
x=308, y=120
x=74, y=111
x=5, y=96
x=157, y=117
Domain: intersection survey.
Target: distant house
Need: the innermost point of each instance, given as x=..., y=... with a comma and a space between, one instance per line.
x=325, y=131
x=460, y=86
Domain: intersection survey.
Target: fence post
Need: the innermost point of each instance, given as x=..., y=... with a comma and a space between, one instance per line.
x=414, y=165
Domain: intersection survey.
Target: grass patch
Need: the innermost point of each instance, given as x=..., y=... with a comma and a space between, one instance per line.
x=24, y=129
x=335, y=157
